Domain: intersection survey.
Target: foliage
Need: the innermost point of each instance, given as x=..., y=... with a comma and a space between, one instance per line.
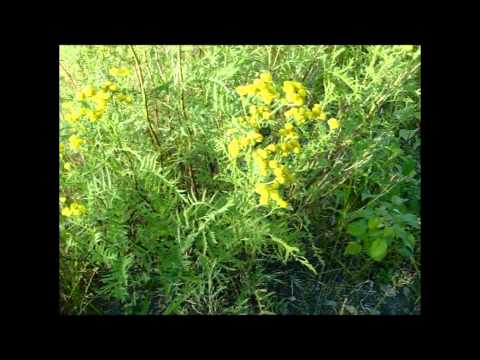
x=227, y=179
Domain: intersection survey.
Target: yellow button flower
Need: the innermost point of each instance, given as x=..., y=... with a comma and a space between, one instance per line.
x=66, y=212
x=234, y=148
x=333, y=123
x=266, y=77
x=75, y=142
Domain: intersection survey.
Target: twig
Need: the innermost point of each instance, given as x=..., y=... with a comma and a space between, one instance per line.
x=144, y=97
x=70, y=77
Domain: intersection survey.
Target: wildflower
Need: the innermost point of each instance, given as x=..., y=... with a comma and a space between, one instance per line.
x=62, y=199
x=263, y=191
x=128, y=99
x=271, y=148
x=295, y=92
x=255, y=137
x=75, y=142
x=66, y=212
x=72, y=117
x=273, y=164
x=83, y=111
x=275, y=196
x=234, y=148
x=318, y=113
x=288, y=131
x=106, y=85
x=266, y=77
x=88, y=91
x=113, y=88
x=333, y=123
x=67, y=166
x=123, y=71
x=62, y=148
x=244, y=90
x=77, y=209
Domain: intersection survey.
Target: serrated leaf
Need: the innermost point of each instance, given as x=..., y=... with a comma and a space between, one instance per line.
x=378, y=249
x=353, y=248
x=357, y=228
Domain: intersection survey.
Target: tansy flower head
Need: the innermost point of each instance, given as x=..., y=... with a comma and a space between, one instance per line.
x=66, y=212
x=123, y=71
x=75, y=142
x=271, y=148
x=234, y=148
x=333, y=123
x=266, y=77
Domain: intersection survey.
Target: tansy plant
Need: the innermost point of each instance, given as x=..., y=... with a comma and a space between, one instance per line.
x=90, y=103
x=268, y=134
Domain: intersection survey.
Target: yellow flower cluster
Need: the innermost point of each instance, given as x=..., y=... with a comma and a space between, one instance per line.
x=266, y=159
x=295, y=93
x=75, y=142
x=75, y=209
x=270, y=191
x=122, y=71
x=261, y=87
x=333, y=123
x=237, y=145
x=289, y=142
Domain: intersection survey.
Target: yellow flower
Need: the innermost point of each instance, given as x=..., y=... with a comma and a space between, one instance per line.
x=67, y=166
x=72, y=117
x=244, y=90
x=113, y=88
x=273, y=164
x=62, y=148
x=77, y=209
x=75, y=142
x=128, y=99
x=83, y=111
x=66, y=212
x=333, y=123
x=234, y=148
x=62, y=199
x=275, y=196
x=255, y=137
x=106, y=84
x=262, y=154
x=89, y=91
x=266, y=77
x=123, y=71
x=80, y=95
x=271, y=148
x=318, y=113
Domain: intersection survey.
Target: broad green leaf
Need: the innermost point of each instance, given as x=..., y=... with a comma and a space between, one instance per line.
x=388, y=233
x=357, y=228
x=353, y=248
x=398, y=200
x=374, y=223
x=378, y=249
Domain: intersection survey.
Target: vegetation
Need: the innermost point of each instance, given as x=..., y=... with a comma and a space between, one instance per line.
x=239, y=180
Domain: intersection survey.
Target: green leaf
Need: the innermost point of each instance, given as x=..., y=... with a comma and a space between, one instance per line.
x=378, y=249
x=374, y=223
x=398, y=200
x=357, y=228
x=353, y=248
x=388, y=233
x=410, y=219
